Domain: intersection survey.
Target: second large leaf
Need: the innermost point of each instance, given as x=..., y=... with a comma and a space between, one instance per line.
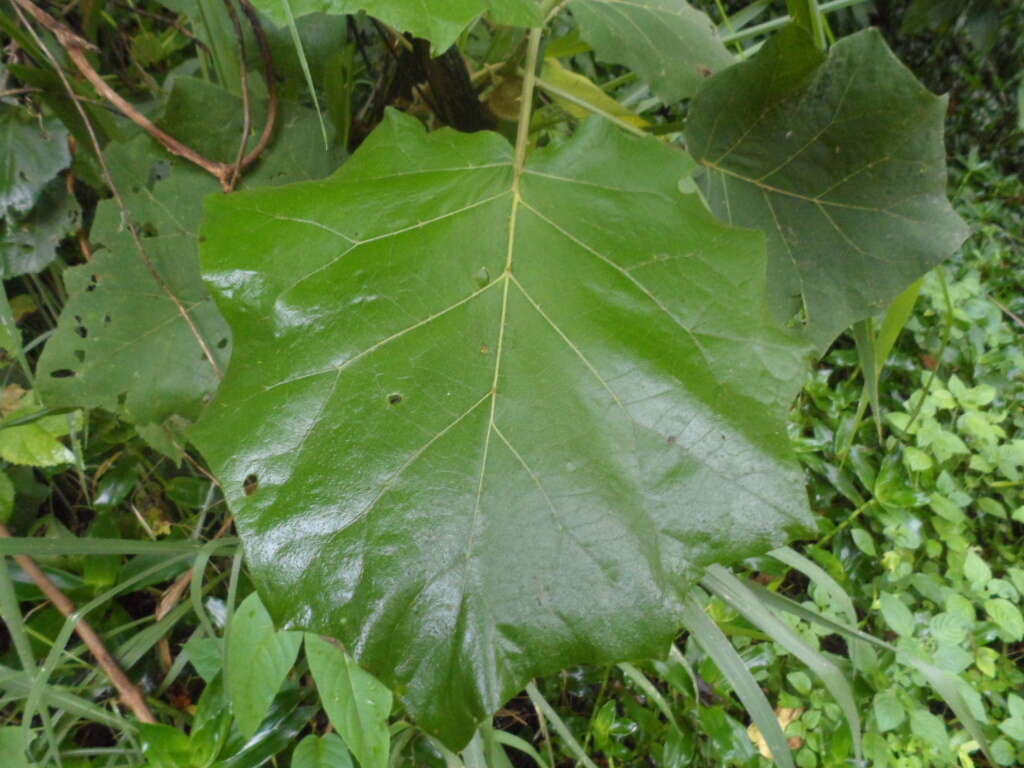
x=480, y=425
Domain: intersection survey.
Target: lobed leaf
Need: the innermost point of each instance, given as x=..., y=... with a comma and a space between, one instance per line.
x=478, y=426
x=839, y=160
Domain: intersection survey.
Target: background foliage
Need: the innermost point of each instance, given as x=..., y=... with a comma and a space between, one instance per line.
x=921, y=525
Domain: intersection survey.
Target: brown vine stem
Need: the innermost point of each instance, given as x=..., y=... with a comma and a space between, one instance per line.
x=131, y=694
x=225, y=173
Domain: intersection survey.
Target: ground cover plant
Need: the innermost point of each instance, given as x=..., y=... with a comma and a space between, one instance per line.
x=516, y=341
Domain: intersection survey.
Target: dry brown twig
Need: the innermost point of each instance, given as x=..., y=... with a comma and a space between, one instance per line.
x=226, y=173
x=174, y=593
x=130, y=693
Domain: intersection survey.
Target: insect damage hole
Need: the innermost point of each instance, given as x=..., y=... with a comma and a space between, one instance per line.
x=63, y=373
x=394, y=398
x=251, y=484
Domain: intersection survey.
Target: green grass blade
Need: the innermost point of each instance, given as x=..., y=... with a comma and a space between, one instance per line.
x=36, y=547
x=819, y=576
x=946, y=685
x=717, y=646
x=864, y=336
x=724, y=584
x=64, y=636
x=896, y=317
x=639, y=679
x=559, y=725
x=22, y=685
x=304, y=64
x=514, y=742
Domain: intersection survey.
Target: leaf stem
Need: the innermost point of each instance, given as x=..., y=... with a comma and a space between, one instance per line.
x=526, y=98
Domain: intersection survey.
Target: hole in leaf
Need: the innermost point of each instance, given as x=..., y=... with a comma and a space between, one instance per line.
x=160, y=171
x=122, y=399
x=148, y=230
x=80, y=355
x=106, y=319
x=82, y=331
x=251, y=485
x=394, y=399
x=222, y=344
x=93, y=282
x=63, y=373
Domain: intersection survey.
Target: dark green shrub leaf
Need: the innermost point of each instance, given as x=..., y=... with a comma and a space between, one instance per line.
x=669, y=44
x=840, y=162
x=479, y=428
x=33, y=152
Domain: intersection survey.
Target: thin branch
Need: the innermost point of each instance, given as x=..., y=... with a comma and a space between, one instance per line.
x=108, y=176
x=246, y=97
x=1008, y=312
x=77, y=47
x=271, y=82
x=131, y=694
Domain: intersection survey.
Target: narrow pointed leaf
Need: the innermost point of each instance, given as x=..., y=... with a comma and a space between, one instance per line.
x=357, y=704
x=258, y=659
x=672, y=46
x=729, y=588
x=949, y=687
x=479, y=427
x=840, y=161
x=716, y=645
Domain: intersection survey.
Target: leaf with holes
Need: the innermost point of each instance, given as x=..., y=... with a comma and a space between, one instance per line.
x=840, y=162
x=439, y=22
x=670, y=45
x=139, y=335
x=481, y=426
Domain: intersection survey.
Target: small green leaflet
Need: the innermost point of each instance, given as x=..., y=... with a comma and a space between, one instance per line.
x=357, y=704
x=840, y=162
x=481, y=427
x=672, y=46
x=439, y=21
x=258, y=658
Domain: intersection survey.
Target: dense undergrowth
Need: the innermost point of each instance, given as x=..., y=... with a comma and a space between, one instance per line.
x=920, y=508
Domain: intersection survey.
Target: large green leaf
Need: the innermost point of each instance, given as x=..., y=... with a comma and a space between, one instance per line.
x=480, y=428
x=439, y=22
x=134, y=335
x=669, y=44
x=840, y=161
